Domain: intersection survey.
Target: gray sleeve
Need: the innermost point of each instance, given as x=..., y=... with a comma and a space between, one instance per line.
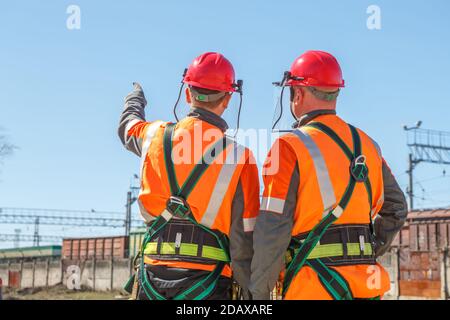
x=133, y=111
x=241, y=243
x=392, y=215
x=271, y=239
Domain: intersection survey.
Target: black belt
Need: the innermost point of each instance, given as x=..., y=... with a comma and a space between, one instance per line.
x=349, y=236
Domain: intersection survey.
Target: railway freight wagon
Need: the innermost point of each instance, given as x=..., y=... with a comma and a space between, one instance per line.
x=136, y=238
x=98, y=248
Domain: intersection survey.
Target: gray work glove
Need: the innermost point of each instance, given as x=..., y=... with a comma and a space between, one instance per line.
x=137, y=95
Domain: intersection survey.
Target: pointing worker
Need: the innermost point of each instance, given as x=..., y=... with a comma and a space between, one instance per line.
x=199, y=190
x=324, y=184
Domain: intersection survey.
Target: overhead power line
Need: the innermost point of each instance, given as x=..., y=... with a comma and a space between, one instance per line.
x=64, y=218
x=29, y=238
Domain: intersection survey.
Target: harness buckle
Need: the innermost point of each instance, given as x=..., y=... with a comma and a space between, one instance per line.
x=178, y=207
x=359, y=169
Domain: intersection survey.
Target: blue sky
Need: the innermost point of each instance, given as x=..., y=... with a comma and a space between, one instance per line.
x=61, y=91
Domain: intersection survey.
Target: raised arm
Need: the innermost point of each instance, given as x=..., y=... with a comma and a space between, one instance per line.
x=132, y=123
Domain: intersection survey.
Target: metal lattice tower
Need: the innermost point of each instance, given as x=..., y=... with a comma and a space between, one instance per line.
x=132, y=197
x=36, y=232
x=430, y=146
x=16, y=237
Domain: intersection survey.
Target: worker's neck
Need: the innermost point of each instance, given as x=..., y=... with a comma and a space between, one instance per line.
x=208, y=116
x=307, y=117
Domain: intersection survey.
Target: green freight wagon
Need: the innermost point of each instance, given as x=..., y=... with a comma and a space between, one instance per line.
x=136, y=238
x=30, y=252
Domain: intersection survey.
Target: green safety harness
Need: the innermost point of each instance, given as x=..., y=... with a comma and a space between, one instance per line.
x=178, y=211
x=308, y=251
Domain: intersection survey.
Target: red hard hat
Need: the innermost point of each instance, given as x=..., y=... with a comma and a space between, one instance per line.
x=211, y=71
x=316, y=69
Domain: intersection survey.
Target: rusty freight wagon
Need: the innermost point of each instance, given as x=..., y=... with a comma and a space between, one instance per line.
x=95, y=248
x=423, y=246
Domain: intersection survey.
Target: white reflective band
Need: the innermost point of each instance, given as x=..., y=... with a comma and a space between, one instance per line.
x=151, y=131
x=272, y=204
x=338, y=211
x=233, y=158
x=249, y=224
x=166, y=215
x=178, y=239
x=323, y=177
x=130, y=125
x=362, y=243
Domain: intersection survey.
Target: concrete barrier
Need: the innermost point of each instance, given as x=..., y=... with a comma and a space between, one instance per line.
x=99, y=275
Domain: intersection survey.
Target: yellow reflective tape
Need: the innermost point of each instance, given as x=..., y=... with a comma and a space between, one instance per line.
x=326, y=250
x=336, y=250
x=354, y=249
x=186, y=249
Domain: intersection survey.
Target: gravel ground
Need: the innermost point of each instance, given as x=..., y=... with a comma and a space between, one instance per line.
x=61, y=293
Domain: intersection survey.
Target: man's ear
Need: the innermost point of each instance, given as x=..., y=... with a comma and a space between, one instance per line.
x=188, y=96
x=296, y=100
x=298, y=97
x=226, y=101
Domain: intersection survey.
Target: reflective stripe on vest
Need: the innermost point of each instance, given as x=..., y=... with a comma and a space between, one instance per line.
x=129, y=126
x=223, y=181
x=323, y=177
x=272, y=204
x=150, y=134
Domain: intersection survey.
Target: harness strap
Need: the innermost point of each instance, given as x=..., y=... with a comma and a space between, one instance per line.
x=306, y=247
x=167, y=145
x=334, y=283
x=331, y=280
x=177, y=206
x=199, y=168
x=350, y=155
x=198, y=291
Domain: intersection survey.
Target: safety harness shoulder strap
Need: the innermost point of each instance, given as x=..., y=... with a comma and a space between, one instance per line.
x=333, y=282
x=358, y=169
x=177, y=206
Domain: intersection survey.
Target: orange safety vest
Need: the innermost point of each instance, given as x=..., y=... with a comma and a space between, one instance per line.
x=324, y=177
x=211, y=199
